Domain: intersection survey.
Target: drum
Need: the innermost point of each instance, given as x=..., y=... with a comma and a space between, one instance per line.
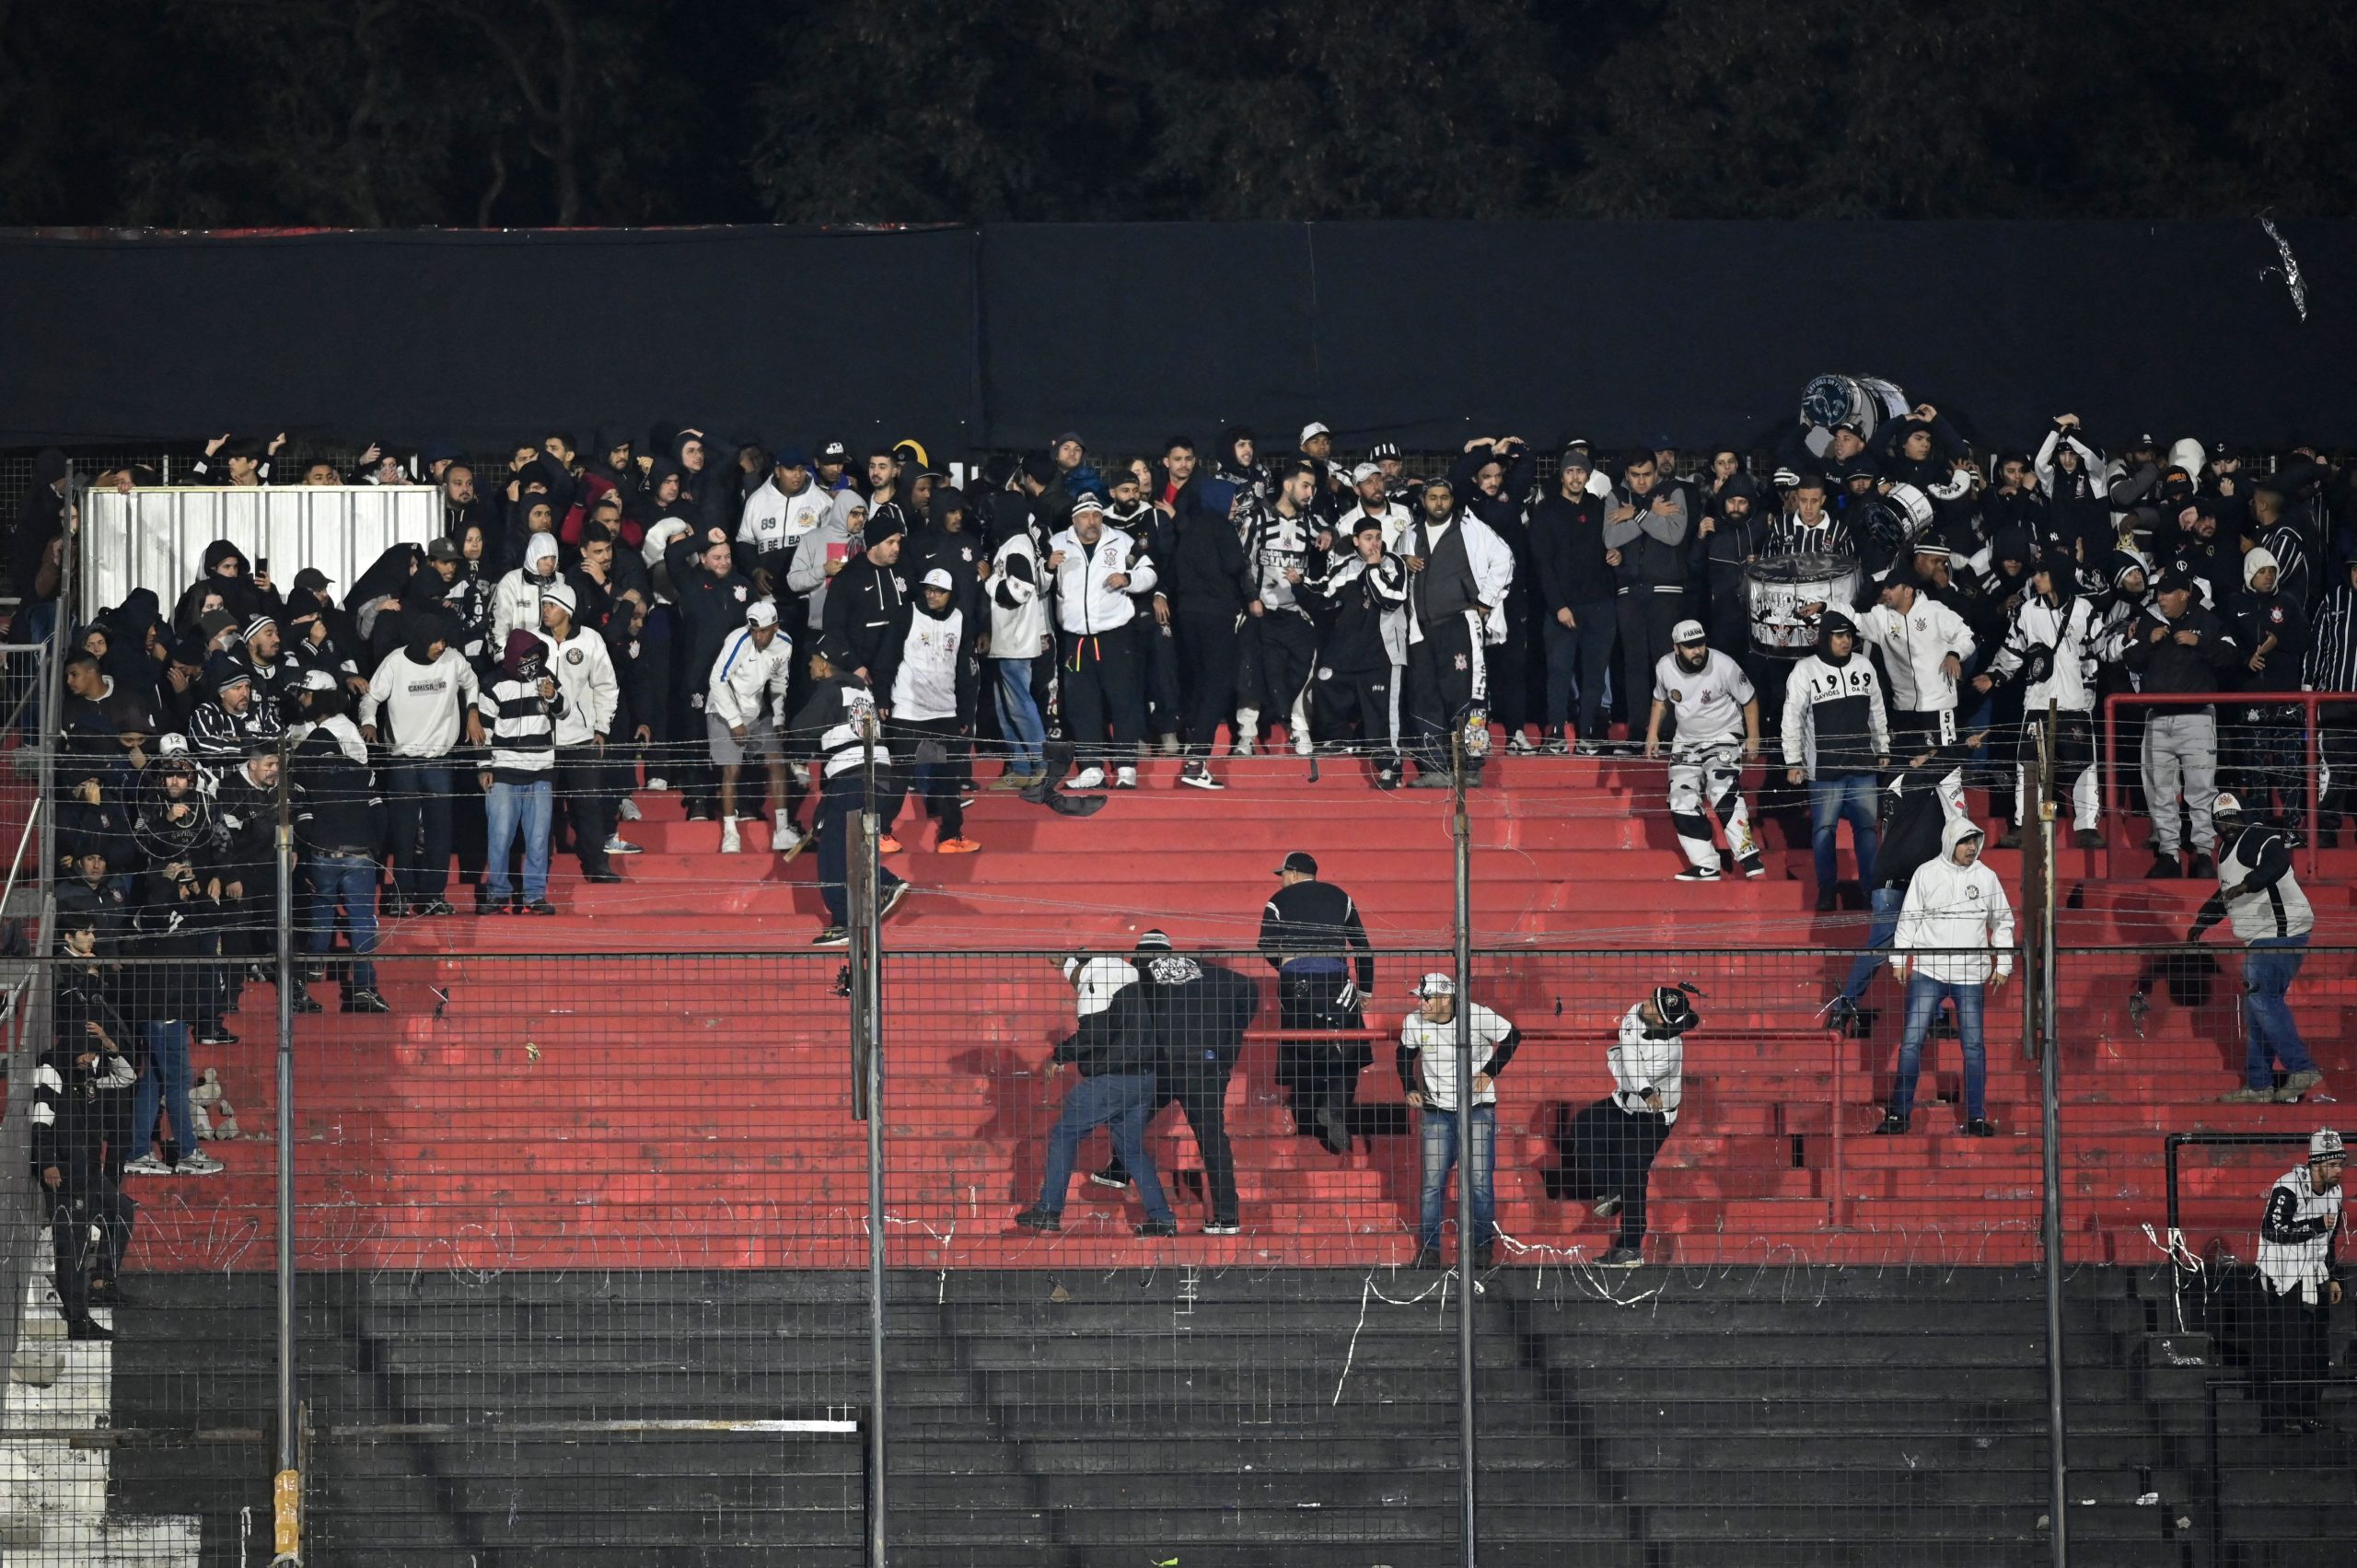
x=1864, y=403
x=1777, y=591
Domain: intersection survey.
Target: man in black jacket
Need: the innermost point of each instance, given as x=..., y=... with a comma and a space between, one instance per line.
x=1200, y=1011
x=1576, y=592
x=1912, y=816
x=712, y=599
x=340, y=821
x=75, y=1082
x=1120, y=1063
x=2177, y=646
x=1311, y=934
x=867, y=605
x=1207, y=585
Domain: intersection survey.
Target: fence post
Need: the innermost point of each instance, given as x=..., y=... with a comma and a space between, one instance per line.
x=1461, y=833
x=868, y=970
x=2041, y=937
x=286, y=1489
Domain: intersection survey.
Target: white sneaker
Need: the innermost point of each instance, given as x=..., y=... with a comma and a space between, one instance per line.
x=621, y=845
x=1088, y=778
x=630, y=812
x=1127, y=778
x=1519, y=744
x=1301, y=744
x=146, y=1165
x=801, y=772
x=1243, y=747
x=657, y=781
x=199, y=1164
x=729, y=842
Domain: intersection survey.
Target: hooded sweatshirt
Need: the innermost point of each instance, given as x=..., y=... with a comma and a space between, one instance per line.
x=239, y=593
x=1952, y=906
x=833, y=539
x=2255, y=617
x=415, y=697
x=1835, y=725
x=521, y=723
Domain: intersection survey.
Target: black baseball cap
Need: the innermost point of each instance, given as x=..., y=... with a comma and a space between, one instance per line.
x=1301, y=861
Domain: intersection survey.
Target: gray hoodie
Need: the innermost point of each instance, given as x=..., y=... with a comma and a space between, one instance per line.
x=809, y=573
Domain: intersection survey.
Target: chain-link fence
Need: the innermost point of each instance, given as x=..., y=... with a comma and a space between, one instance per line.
x=530, y=1243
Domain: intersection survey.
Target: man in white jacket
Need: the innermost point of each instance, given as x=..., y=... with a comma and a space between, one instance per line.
x=1924, y=646
x=584, y=674
x=744, y=713
x=1096, y=571
x=1954, y=943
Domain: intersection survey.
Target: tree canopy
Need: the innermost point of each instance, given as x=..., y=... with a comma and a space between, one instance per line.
x=368, y=113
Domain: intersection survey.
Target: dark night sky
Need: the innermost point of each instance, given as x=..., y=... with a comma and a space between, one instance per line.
x=367, y=113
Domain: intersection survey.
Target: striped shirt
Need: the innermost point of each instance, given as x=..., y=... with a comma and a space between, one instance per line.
x=2332, y=644
x=522, y=725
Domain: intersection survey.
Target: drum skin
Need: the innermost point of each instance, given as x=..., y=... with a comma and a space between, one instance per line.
x=1776, y=590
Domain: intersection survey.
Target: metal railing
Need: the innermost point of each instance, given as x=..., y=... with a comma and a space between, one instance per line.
x=2308, y=702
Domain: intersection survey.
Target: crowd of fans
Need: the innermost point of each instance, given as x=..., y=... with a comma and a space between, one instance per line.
x=592, y=621
x=588, y=623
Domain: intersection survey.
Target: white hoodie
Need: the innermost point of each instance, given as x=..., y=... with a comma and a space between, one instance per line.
x=743, y=672
x=1951, y=906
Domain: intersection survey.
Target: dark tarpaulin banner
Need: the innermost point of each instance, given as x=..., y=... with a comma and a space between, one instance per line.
x=487, y=339
x=1428, y=333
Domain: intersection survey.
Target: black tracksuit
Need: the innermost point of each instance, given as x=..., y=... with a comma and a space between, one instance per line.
x=1208, y=583
x=1308, y=933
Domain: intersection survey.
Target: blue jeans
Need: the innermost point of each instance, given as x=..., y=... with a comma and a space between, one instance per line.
x=1018, y=715
x=164, y=1082
x=509, y=806
x=1440, y=1154
x=838, y=800
x=1123, y=1103
x=1886, y=902
x=1923, y=995
x=1830, y=800
x=2268, y=1028
x=349, y=882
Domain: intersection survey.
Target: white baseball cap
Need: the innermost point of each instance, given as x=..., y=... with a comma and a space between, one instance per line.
x=1364, y=472
x=760, y=612
x=2226, y=804
x=1313, y=428
x=939, y=578
x=1685, y=631
x=1436, y=984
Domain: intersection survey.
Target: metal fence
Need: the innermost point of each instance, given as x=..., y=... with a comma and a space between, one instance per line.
x=720, y=1256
